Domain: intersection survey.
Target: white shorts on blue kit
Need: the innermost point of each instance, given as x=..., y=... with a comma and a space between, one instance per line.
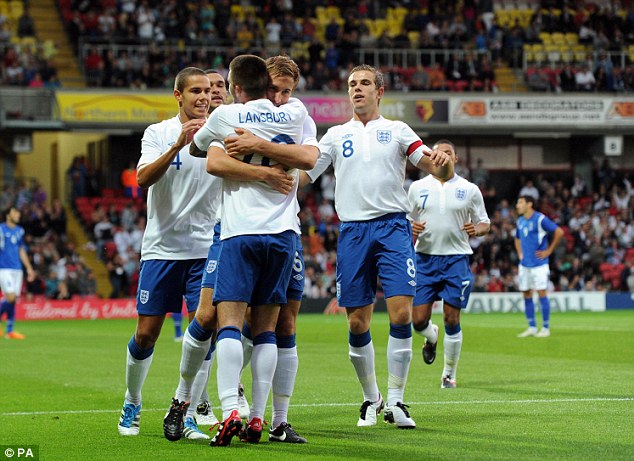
x=164, y=284
x=380, y=247
x=255, y=269
x=533, y=278
x=210, y=273
x=443, y=277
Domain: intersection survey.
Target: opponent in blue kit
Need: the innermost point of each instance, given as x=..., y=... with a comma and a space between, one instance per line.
x=12, y=256
x=533, y=249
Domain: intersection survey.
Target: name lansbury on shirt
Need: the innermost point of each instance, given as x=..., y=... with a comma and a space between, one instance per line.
x=265, y=117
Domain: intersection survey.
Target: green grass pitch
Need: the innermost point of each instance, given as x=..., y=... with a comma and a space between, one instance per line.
x=570, y=396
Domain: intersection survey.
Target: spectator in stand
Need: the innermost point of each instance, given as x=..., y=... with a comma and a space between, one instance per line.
x=103, y=232
x=26, y=25
x=530, y=190
x=94, y=66
x=118, y=278
x=420, y=79
x=579, y=188
x=584, y=79
x=479, y=174
x=437, y=80
x=129, y=182
x=567, y=80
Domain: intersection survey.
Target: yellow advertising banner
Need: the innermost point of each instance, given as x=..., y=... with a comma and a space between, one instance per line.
x=116, y=107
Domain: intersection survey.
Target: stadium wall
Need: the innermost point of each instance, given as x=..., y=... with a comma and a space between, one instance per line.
x=479, y=303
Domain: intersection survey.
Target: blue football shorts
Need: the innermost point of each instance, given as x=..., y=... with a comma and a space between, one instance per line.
x=164, y=284
x=380, y=247
x=255, y=269
x=443, y=277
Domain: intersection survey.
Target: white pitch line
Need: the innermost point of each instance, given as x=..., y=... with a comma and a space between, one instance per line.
x=307, y=405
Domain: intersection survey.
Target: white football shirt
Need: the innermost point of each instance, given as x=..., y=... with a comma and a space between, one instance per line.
x=369, y=162
x=252, y=207
x=182, y=204
x=445, y=208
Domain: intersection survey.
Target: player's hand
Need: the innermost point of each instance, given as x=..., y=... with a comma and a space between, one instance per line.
x=30, y=275
x=244, y=143
x=279, y=180
x=470, y=229
x=188, y=130
x=542, y=254
x=417, y=228
x=438, y=157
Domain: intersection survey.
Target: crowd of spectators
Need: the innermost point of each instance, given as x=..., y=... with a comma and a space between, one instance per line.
x=148, y=41
x=144, y=43
x=26, y=60
x=60, y=272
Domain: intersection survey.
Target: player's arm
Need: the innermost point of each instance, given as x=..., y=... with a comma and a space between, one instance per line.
x=224, y=166
x=557, y=236
x=518, y=249
x=434, y=162
x=418, y=228
x=479, y=215
x=149, y=173
x=300, y=156
x=477, y=230
x=24, y=257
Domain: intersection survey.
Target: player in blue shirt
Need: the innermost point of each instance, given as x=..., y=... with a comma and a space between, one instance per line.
x=533, y=249
x=12, y=256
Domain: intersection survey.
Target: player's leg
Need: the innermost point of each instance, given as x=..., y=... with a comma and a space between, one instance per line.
x=285, y=374
x=247, y=351
x=263, y=362
x=156, y=296
x=177, y=319
x=204, y=413
x=397, y=269
x=229, y=365
x=237, y=275
x=287, y=358
x=455, y=292
x=11, y=284
x=191, y=430
x=399, y=357
x=542, y=275
x=426, y=294
x=269, y=292
x=356, y=289
x=524, y=277
x=452, y=345
x=140, y=352
x=361, y=353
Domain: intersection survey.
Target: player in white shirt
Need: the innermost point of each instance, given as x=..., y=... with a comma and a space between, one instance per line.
x=202, y=413
x=445, y=214
x=258, y=246
x=178, y=232
x=284, y=74
x=369, y=155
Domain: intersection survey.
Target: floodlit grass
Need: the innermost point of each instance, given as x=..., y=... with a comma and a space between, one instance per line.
x=570, y=396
